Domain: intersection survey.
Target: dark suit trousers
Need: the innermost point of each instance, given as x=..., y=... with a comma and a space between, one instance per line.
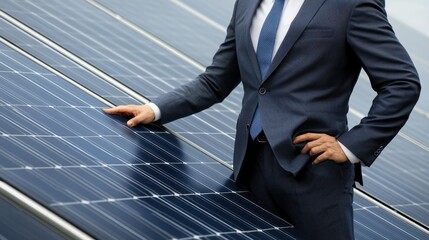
x=318, y=202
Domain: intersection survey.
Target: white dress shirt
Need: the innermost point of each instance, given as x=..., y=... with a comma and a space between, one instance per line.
x=290, y=10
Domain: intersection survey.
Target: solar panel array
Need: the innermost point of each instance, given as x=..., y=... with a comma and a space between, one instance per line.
x=110, y=181
x=143, y=65
x=59, y=148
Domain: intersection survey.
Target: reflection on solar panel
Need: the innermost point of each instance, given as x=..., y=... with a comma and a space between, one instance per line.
x=113, y=182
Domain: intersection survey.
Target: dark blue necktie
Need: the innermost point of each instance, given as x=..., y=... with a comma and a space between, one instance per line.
x=264, y=53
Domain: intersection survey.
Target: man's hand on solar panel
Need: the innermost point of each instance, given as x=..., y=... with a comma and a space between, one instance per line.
x=139, y=113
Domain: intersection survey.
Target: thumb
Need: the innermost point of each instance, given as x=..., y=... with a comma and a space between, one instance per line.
x=134, y=121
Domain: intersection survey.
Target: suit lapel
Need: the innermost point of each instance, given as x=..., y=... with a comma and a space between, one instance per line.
x=304, y=16
x=249, y=45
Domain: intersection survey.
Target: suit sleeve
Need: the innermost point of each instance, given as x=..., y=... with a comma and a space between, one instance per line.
x=211, y=87
x=392, y=75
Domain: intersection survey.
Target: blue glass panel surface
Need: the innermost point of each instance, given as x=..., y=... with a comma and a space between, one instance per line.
x=133, y=59
x=181, y=24
x=366, y=213
x=16, y=223
x=63, y=64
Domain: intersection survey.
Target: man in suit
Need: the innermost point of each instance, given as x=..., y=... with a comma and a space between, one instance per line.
x=298, y=61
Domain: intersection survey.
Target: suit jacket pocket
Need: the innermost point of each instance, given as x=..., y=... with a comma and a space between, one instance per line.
x=318, y=33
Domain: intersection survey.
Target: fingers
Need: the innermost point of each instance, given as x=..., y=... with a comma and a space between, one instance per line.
x=140, y=118
x=141, y=114
x=134, y=121
x=307, y=137
x=329, y=154
x=323, y=146
x=313, y=147
x=120, y=110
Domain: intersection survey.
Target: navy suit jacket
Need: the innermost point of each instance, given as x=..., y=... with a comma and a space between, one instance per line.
x=310, y=80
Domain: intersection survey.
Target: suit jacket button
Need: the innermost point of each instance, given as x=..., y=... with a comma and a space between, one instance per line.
x=262, y=91
x=378, y=151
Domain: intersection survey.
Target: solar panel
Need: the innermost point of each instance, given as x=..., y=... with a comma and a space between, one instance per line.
x=179, y=24
x=219, y=13
x=17, y=223
x=373, y=222
x=112, y=181
x=107, y=179
x=108, y=44
x=63, y=64
x=135, y=60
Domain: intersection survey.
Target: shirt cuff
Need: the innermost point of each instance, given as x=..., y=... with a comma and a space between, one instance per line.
x=352, y=158
x=156, y=110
